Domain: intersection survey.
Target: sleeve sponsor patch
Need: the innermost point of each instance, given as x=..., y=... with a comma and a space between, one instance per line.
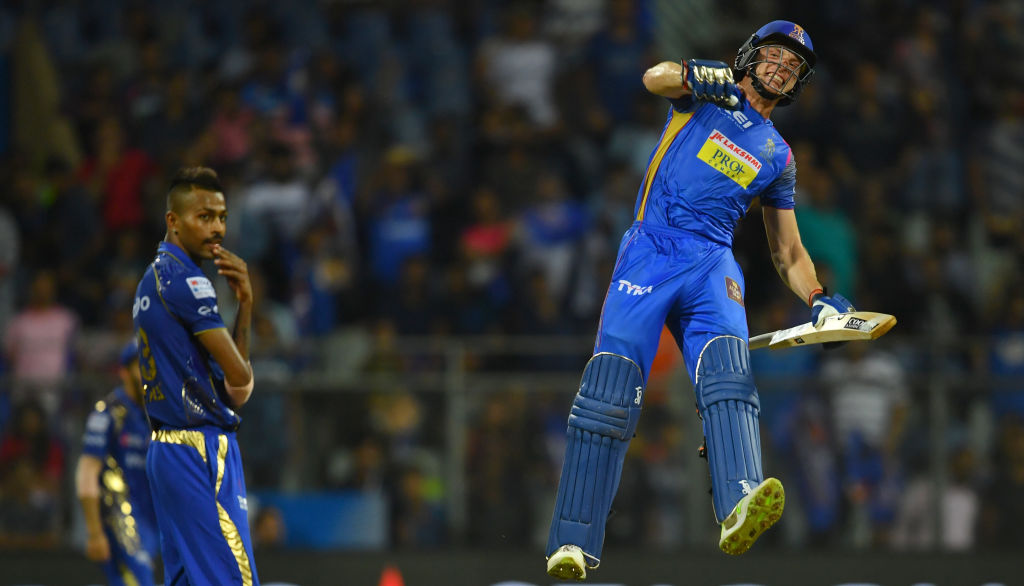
x=97, y=422
x=201, y=287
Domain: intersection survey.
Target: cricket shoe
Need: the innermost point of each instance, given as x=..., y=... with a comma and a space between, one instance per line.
x=568, y=563
x=754, y=514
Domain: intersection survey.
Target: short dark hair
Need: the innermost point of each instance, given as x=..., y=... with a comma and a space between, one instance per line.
x=188, y=179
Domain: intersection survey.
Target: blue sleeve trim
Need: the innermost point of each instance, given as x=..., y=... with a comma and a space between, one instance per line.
x=780, y=194
x=684, y=104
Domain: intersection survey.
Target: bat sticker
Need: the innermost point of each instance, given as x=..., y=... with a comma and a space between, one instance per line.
x=855, y=323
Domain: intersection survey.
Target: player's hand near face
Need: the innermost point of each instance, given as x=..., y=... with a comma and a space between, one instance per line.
x=97, y=548
x=711, y=81
x=235, y=271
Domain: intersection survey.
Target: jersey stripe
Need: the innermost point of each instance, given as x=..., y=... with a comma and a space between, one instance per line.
x=676, y=124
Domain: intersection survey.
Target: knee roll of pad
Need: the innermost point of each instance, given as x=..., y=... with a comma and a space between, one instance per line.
x=603, y=419
x=610, y=397
x=729, y=406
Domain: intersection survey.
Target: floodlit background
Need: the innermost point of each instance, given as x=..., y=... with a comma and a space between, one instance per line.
x=430, y=194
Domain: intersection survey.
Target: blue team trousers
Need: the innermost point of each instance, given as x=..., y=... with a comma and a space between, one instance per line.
x=665, y=276
x=198, y=487
x=131, y=566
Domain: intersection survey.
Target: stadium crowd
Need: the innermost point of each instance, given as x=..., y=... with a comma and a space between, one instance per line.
x=436, y=169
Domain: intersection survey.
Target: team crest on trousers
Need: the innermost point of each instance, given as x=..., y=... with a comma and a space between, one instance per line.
x=732, y=288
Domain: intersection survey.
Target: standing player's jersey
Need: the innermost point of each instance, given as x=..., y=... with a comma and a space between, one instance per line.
x=708, y=167
x=183, y=385
x=117, y=434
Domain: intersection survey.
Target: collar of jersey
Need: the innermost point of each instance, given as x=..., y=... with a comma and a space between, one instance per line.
x=175, y=252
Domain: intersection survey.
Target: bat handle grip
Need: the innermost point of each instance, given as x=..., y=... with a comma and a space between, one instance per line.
x=733, y=100
x=760, y=341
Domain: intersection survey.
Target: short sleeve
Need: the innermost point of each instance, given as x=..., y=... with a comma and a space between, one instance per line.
x=97, y=428
x=193, y=300
x=683, y=104
x=780, y=193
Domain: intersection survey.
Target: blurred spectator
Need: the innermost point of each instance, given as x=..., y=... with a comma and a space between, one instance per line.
x=538, y=313
x=826, y=230
x=277, y=203
x=616, y=54
x=268, y=529
x=168, y=133
x=485, y=243
x=630, y=140
x=1006, y=357
x=117, y=173
x=869, y=401
x=959, y=504
x=551, y=233
x=397, y=216
x=498, y=480
x=10, y=244
x=32, y=468
x=518, y=66
x=230, y=128
x=38, y=344
x=416, y=510
x=1002, y=509
x=413, y=304
x=321, y=278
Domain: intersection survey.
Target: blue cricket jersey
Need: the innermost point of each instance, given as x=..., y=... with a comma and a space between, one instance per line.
x=183, y=385
x=708, y=167
x=117, y=434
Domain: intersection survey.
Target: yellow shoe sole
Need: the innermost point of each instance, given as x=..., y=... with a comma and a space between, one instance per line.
x=753, y=515
x=567, y=563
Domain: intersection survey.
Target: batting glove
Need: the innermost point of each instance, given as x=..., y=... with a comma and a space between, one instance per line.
x=823, y=306
x=711, y=81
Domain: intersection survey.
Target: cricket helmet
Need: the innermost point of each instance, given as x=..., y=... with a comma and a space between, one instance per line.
x=788, y=35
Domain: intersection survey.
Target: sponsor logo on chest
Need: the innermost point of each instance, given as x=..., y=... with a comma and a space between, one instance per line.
x=729, y=159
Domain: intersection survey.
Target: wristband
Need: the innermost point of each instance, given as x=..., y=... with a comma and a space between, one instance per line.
x=246, y=388
x=810, y=298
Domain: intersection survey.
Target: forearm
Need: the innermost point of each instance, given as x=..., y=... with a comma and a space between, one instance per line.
x=242, y=333
x=797, y=271
x=666, y=79
x=87, y=487
x=91, y=514
x=242, y=336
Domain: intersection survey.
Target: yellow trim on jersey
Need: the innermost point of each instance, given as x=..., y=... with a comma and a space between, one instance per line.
x=184, y=437
x=171, y=254
x=160, y=292
x=127, y=576
x=210, y=330
x=227, y=526
x=676, y=124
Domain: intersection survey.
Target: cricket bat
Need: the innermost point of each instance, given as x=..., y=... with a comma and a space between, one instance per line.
x=856, y=325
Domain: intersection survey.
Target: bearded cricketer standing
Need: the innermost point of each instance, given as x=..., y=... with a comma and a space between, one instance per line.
x=195, y=376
